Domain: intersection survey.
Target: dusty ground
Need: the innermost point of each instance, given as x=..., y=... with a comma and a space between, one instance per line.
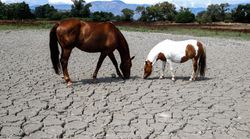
x=35, y=102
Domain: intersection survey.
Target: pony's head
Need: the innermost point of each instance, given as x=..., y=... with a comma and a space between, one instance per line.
x=125, y=67
x=148, y=67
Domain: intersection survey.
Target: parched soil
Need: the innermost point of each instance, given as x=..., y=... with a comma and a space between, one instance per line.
x=35, y=102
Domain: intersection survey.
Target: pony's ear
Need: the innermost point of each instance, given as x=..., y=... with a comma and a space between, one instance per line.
x=132, y=57
x=148, y=62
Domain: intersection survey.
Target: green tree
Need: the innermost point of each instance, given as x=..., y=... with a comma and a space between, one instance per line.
x=45, y=11
x=3, y=11
x=79, y=9
x=102, y=16
x=142, y=11
x=127, y=14
x=159, y=12
x=185, y=16
x=201, y=17
x=217, y=12
x=241, y=13
x=19, y=11
x=152, y=13
x=167, y=11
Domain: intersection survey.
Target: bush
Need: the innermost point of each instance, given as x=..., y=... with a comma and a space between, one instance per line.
x=185, y=16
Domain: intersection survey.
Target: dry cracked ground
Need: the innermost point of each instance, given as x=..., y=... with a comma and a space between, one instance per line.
x=35, y=102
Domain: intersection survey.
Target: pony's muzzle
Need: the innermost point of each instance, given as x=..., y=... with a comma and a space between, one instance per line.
x=145, y=76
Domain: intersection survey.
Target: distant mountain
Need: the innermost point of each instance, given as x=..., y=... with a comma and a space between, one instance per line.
x=197, y=10
x=112, y=6
x=60, y=7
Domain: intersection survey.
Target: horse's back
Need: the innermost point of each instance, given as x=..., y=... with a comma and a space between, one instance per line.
x=87, y=36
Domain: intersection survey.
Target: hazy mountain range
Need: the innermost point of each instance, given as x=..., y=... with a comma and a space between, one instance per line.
x=116, y=6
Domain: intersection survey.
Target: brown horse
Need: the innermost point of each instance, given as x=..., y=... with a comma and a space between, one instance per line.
x=88, y=37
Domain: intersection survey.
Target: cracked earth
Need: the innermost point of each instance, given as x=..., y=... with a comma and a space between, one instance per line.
x=35, y=102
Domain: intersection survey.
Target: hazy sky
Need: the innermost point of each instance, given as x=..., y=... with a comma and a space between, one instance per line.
x=184, y=3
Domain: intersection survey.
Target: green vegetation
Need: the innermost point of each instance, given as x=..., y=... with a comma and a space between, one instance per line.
x=193, y=32
x=170, y=30
x=22, y=26
x=185, y=16
x=164, y=11
x=128, y=14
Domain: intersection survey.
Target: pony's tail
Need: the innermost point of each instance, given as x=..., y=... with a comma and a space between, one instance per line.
x=54, y=50
x=203, y=62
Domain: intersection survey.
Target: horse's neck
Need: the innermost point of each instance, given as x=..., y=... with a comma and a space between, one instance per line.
x=124, y=53
x=123, y=48
x=153, y=54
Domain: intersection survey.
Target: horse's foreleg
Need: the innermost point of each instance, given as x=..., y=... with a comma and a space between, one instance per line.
x=171, y=69
x=195, y=67
x=64, y=62
x=112, y=57
x=163, y=69
x=99, y=63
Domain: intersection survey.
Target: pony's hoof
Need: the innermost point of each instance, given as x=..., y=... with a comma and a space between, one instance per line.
x=192, y=79
x=69, y=84
x=173, y=79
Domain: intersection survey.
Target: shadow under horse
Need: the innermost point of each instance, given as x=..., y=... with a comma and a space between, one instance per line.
x=89, y=37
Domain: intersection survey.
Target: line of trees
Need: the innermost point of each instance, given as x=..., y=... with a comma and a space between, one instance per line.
x=164, y=11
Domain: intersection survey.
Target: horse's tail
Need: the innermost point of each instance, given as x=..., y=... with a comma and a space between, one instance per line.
x=202, y=61
x=54, y=50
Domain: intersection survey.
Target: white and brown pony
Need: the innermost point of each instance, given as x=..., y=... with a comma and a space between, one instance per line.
x=178, y=52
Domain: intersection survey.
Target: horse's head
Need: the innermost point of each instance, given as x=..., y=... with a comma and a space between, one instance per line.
x=126, y=67
x=148, y=67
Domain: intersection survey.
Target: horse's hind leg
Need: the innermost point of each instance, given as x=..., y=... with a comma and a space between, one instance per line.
x=195, y=67
x=99, y=63
x=112, y=57
x=64, y=62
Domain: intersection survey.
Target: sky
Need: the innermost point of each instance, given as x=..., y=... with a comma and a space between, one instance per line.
x=183, y=3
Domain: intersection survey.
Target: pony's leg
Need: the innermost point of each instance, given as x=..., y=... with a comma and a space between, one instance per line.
x=112, y=57
x=64, y=62
x=99, y=63
x=195, y=67
x=171, y=69
x=163, y=69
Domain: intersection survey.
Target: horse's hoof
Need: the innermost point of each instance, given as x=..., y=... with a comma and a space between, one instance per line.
x=113, y=75
x=94, y=80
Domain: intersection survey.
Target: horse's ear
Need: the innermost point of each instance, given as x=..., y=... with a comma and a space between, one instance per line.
x=132, y=57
